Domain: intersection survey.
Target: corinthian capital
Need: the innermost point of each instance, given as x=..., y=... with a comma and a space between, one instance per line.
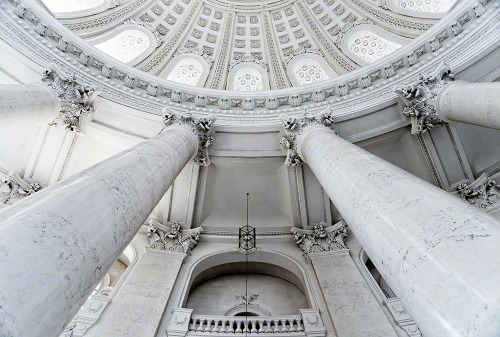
x=420, y=98
x=294, y=127
x=75, y=99
x=200, y=126
x=14, y=188
x=172, y=238
x=321, y=238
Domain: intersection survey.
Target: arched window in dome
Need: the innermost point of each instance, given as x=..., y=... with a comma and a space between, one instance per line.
x=247, y=76
x=247, y=79
x=307, y=67
x=366, y=44
x=186, y=71
x=79, y=8
x=189, y=67
x=421, y=8
x=308, y=71
x=129, y=43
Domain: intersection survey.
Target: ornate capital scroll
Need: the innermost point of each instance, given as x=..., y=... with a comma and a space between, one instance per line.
x=171, y=238
x=75, y=99
x=321, y=239
x=420, y=99
x=201, y=128
x=484, y=192
x=294, y=127
x=14, y=188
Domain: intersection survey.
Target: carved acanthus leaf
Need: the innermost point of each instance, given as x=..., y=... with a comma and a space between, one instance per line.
x=171, y=238
x=14, y=188
x=419, y=99
x=201, y=128
x=483, y=193
x=321, y=238
x=75, y=99
x=294, y=127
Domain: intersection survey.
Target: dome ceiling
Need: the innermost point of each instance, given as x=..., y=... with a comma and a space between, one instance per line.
x=249, y=45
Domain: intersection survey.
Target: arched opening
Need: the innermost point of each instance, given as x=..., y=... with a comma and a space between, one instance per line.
x=187, y=70
x=421, y=8
x=308, y=70
x=247, y=79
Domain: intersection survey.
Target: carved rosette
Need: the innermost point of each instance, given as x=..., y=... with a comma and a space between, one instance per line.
x=420, y=99
x=200, y=126
x=14, y=188
x=171, y=238
x=294, y=127
x=483, y=193
x=75, y=99
x=321, y=238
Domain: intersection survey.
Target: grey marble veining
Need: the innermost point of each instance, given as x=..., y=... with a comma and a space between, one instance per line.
x=56, y=245
x=439, y=254
x=22, y=105
x=354, y=310
x=139, y=306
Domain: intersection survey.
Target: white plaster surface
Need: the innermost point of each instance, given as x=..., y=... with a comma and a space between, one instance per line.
x=439, y=254
x=354, y=310
x=22, y=105
x=56, y=245
x=473, y=103
x=138, y=307
x=276, y=295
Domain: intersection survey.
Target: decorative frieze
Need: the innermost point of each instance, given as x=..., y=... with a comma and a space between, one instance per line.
x=321, y=238
x=484, y=192
x=14, y=188
x=201, y=128
x=75, y=99
x=420, y=99
x=171, y=238
x=294, y=127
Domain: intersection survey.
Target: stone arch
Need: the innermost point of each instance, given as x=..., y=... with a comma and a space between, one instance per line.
x=188, y=68
x=248, y=76
x=431, y=9
x=309, y=68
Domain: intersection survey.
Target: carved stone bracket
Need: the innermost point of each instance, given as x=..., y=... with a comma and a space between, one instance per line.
x=420, y=99
x=200, y=126
x=14, y=188
x=75, y=99
x=171, y=238
x=321, y=238
x=484, y=192
x=294, y=127
x=402, y=317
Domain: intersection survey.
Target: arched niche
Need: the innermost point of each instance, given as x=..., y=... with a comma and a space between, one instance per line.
x=130, y=43
x=69, y=9
x=248, y=76
x=190, y=69
x=366, y=43
x=432, y=9
x=263, y=262
x=308, y=68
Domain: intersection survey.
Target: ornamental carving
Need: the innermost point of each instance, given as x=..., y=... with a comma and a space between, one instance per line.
x=321, y=238
x=483, y=193
x=301, y=51
x=14, y=188
x=420, y=99
x=294, y=127
x=201, y=128
x=247, y=59
x=171, y=238
x=75, y=99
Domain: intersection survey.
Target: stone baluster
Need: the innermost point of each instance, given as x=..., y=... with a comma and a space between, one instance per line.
x=293, y=326
x=24, y=105
x=254, y=326
x=57, y=244
x=261, y=326
x=269, y=328
x=300, y=327
x=439, y=254
x=437, y=99
x=277, y=328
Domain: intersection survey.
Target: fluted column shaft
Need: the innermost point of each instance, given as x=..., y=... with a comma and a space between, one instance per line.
x=23, y=105
x=440, y=255
x=56, y=245
x=473, y=103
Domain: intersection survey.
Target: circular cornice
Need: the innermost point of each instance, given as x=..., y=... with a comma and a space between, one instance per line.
x=455, y=39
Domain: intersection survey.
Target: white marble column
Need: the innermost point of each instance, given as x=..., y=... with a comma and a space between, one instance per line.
x=440, y=255
x=23, y=105
x=56, y=245
x=472, y=103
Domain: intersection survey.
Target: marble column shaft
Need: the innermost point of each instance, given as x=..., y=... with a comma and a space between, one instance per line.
x=23, y=105
x=440, y=255
x=473, y=103
x=56, y=245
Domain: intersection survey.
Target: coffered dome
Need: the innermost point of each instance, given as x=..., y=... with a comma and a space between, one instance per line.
x=248, y=45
